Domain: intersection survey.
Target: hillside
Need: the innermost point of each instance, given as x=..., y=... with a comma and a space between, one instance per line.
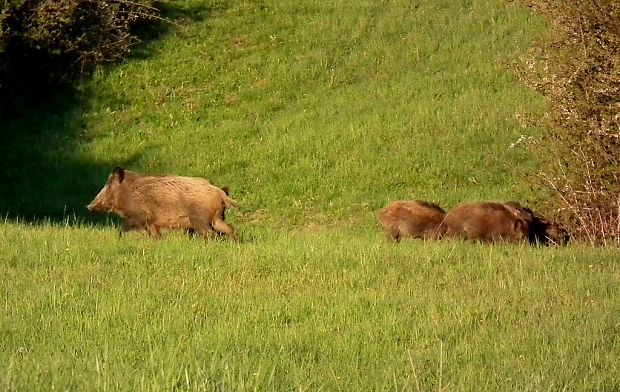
x=307, y=112
x=315, y=114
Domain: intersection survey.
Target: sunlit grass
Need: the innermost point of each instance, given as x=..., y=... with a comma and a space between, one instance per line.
x=330, y=109
x=314, y=114
x=302, y=310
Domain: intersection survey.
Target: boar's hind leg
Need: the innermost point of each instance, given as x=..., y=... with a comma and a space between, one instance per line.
x=224, y=228
x=202, y=227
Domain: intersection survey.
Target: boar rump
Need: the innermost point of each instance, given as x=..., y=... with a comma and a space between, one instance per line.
x=412, y=218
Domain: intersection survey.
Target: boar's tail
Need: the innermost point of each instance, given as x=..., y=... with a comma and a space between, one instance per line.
x=230, y=202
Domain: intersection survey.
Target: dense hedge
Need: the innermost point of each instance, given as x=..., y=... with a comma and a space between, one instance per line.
x=579, y=72
x=43, y=42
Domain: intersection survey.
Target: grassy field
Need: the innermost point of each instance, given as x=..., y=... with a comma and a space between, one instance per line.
x=300, y=311
x=315, y=114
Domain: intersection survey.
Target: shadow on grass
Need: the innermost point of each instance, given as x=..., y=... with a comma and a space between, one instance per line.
x=43, y=175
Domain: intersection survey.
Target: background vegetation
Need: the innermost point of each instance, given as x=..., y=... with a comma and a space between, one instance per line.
x=45, y=42
x=578, y=70
x=315, y=115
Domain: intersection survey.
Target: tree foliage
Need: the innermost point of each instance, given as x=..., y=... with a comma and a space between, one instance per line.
x=43, y=42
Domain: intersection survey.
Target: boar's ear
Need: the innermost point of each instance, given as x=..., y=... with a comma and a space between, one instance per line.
x=119, y=173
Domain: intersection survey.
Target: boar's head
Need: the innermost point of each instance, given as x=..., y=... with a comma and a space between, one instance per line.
x=556, y=234
x=107, y=198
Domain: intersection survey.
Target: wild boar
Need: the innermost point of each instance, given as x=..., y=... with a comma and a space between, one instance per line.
x=155, y=202
x=412, y=218
x=542, y=231
x=486, y=222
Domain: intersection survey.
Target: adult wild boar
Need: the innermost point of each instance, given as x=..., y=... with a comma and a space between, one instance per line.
x=542, y=231
x=487, y=222
x=155, y=202
x=412, y=218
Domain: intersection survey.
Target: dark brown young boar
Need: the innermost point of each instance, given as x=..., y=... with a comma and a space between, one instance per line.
x=412, y=218
x=155, y=202
x=487, y=222
x=542, y=231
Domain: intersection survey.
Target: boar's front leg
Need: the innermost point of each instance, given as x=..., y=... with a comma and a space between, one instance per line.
x=130, y=224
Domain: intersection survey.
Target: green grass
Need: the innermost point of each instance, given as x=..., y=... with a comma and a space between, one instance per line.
x=303, y=311
x=300, y=109
x=308, y=111
x=315, y=114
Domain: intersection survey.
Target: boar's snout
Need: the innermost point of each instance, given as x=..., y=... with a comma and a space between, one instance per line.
x=98, y=204
x=103, y=201
x=93, y=206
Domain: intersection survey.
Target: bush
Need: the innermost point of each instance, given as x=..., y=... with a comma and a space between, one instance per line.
x=579, y=73
x=45, y=42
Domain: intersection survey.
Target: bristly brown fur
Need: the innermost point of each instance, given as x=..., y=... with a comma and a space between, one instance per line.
x=412, y=218
x=487, y=222
x=155, y=202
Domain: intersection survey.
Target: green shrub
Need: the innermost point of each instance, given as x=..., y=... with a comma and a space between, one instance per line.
x=579, y=72
x=44, y=42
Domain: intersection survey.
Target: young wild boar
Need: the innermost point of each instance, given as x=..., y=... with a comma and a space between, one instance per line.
x=542, y=231
x=487, y=222
x=412, y=218
x=155, y=202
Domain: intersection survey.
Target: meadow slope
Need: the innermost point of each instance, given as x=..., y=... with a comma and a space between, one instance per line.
x=315, y=114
